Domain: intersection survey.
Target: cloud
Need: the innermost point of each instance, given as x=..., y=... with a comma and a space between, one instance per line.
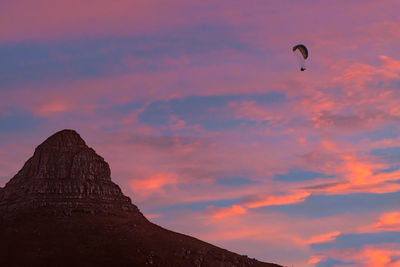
x=45, y=20
x=213, y=112
x=324, y=237
x=264, y=201
x=151, y=216
x=358, y=174
x=361, y=121
x=375, y=257
x=381, y=255
x=224, y=212
x=250, y=110
x=52, y=107
x=314, y=260
x=389, y=221
x=153, y=183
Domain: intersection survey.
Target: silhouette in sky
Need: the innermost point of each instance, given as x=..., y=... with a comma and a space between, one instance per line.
x=301, y=52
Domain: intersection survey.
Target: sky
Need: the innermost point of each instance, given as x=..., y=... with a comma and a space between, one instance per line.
x=208, y=124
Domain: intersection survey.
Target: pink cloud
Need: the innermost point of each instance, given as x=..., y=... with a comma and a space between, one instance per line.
x=391, y=65
x=44, y=19
x=151, y=216
x=52, y=108
x=250, y=110
x=295, y=197
x=153, y=183
x=224, y=212
x=387, y=222
x=354, y=172
x=383, y=255
x=324, y=237
x=314, y=260
x=373, y=257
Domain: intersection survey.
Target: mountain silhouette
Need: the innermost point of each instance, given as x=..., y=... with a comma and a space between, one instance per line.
x=62, y=209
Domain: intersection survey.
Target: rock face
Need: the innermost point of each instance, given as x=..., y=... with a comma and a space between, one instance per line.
x=66, y=175
x=62, y=209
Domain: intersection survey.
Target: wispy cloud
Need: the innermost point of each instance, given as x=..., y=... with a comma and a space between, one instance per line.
x=292, y=198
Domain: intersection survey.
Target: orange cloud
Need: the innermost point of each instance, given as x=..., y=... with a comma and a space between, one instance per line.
x=302, y=140
x=279, y=200
x=153, y=183
x=153, y=215
x=383, y=255
x=387, y=222
x=324, y=237
x=314, y=260
x=359, y=175
x=390, y=64
x=51, y=108
x=234, y=210
x=359, y=74
x=365, y=85
x=330, y=146
x=377, y=257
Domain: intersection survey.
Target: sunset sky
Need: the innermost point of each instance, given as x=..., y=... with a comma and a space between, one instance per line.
x=207, y=122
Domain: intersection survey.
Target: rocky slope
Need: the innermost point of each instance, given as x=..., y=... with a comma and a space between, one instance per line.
x=62, y=209
x=65, y=175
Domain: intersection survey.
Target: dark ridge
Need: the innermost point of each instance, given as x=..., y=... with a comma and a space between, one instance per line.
x=64, y=174
x=64, y=139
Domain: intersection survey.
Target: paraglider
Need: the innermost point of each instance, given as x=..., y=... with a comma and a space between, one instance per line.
x=302, y=54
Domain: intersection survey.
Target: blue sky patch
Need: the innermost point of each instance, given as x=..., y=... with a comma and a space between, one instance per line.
x=297, y=175
x=316, y=206
x=359, y=240
x=384, y=132
x=18, y=121
x=208, y=111
x=388, y=170
x=391, y=154
x=196, y=206
x=235, y=181
x=330, y=262
x=32, y=61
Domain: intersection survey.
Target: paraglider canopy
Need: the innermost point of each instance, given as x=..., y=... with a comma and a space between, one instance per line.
x=302, y=54
x=303, y=50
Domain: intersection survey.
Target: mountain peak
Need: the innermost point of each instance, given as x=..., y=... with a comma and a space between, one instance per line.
x=66, y=174
x=65, y=138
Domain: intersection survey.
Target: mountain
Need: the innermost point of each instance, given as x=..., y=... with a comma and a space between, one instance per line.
x=62, y=209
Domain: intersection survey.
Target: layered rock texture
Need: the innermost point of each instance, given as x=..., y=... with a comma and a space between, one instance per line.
x=65, y=175
x=62, y=209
